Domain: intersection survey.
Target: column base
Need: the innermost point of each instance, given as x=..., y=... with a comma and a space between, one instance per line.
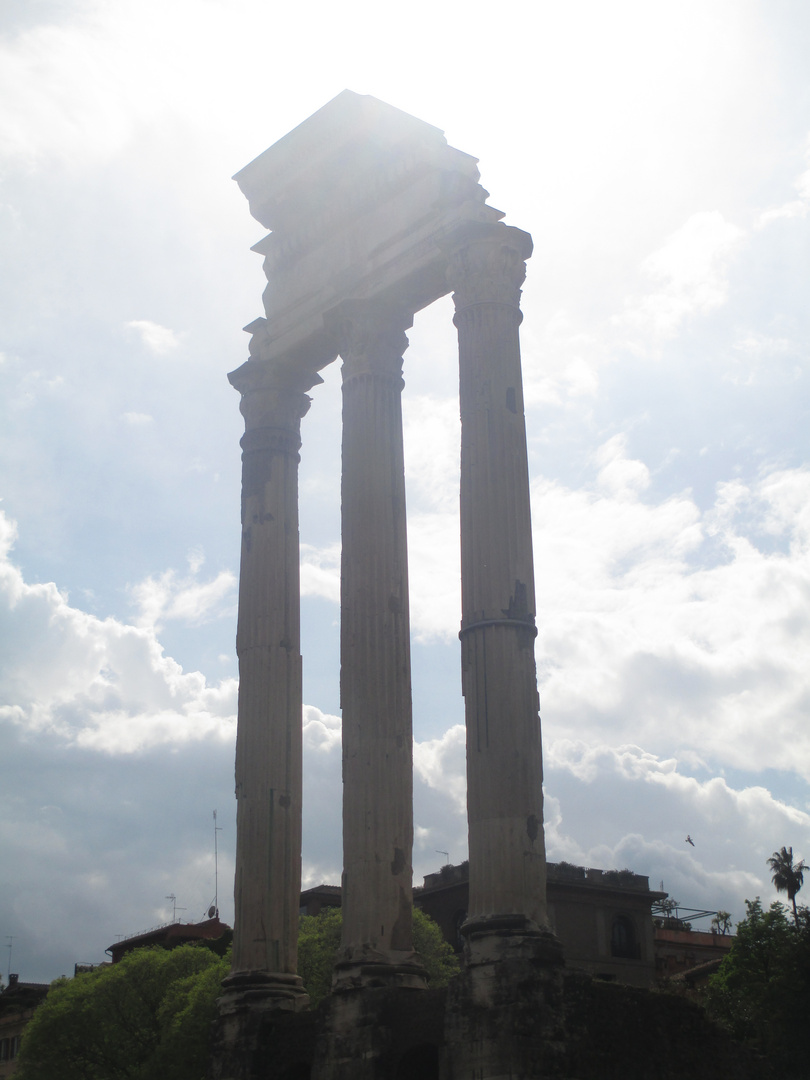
x=496, y=939
x=262, y=991
x=505, y=1017
x=261, y=1016
x=373, y=1035
x=376, y=971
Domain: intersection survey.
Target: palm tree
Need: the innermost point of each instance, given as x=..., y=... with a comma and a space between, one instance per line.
x=788, y=876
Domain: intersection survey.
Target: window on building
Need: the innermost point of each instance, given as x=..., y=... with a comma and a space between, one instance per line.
x=623, y=938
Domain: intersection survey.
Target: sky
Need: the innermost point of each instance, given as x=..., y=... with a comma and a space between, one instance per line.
x=659, y=154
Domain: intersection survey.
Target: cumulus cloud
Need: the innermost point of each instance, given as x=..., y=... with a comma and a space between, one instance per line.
x=432, y=436
x=435, y=576
x=320, y=571
x=619, y=475
x=793, y=208
x=77, y=85
x=157, y=339
x=323, y=799
x=560, y=362
x=440, y=763
x=98, y=683
x=170, y=596
x=674, y=628
x=137, y=419
x=636, y=809
x=689, y=277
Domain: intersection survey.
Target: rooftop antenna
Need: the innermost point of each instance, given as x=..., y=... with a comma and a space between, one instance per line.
x=217, y=828
x=173, y=899
x=10, y=942
x=446, y=855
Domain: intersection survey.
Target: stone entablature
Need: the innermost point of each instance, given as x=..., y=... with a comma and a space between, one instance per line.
x=358, y=198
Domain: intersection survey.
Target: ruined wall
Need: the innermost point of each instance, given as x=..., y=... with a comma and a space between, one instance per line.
x=601, y=1031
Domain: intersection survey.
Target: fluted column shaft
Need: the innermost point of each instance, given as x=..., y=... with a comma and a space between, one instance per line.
x=499, y=679
x=375, y=673
x=269, y=742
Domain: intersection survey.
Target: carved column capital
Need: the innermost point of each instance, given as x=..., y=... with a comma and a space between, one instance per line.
x=371, y=337
x=487, y=264
x=274, y=400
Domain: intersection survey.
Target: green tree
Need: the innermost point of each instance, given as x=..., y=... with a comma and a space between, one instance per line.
x=319, y=941
x=788, y=877
x=761, y=992
x=145, y=1017
x=721, y=923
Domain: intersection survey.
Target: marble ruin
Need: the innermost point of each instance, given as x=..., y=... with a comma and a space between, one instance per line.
x=372, y=216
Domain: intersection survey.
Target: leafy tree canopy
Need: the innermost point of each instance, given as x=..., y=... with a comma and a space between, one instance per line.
x=147, y=1016
x=319, y=941
x=761, y=992
x=721, y=923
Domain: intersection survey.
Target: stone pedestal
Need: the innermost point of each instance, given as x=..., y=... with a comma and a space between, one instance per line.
x=380, y=1034
x=375, y=679
x=268, y=747
x=506, y=1020
x=499, y=680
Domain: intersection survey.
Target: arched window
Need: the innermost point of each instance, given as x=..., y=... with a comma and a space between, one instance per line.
x=623, y=938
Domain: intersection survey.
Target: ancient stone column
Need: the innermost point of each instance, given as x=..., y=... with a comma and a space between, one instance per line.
x=269, y=743
x=375, y=674
x=499, y=680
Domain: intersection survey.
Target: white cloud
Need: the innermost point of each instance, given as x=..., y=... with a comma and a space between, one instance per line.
x=432, y=436
x=97, y=683
x=560, y=362
x=323, y=799
x=435, y=575
x=184, y=598
x=793, y=208
x=158, y=339
x=137, y=419
x=690, y=272
x=320, y=571
x=636, y=810
x=196, y=559
x=619, y=475
x=322, y=731
x=82, y=91
x=440, y=763
x=796, y=208
x=674, y=629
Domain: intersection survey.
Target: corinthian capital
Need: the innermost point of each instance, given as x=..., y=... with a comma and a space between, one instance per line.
x=370, y=337
x=487, y=264
x=273, y=396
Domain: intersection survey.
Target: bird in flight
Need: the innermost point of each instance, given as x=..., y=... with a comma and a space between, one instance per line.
x=689, y=840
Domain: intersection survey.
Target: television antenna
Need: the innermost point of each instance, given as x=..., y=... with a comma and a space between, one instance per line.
x=10, y=943
x=446, y=855
x=173, y=899
x=213, y=911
